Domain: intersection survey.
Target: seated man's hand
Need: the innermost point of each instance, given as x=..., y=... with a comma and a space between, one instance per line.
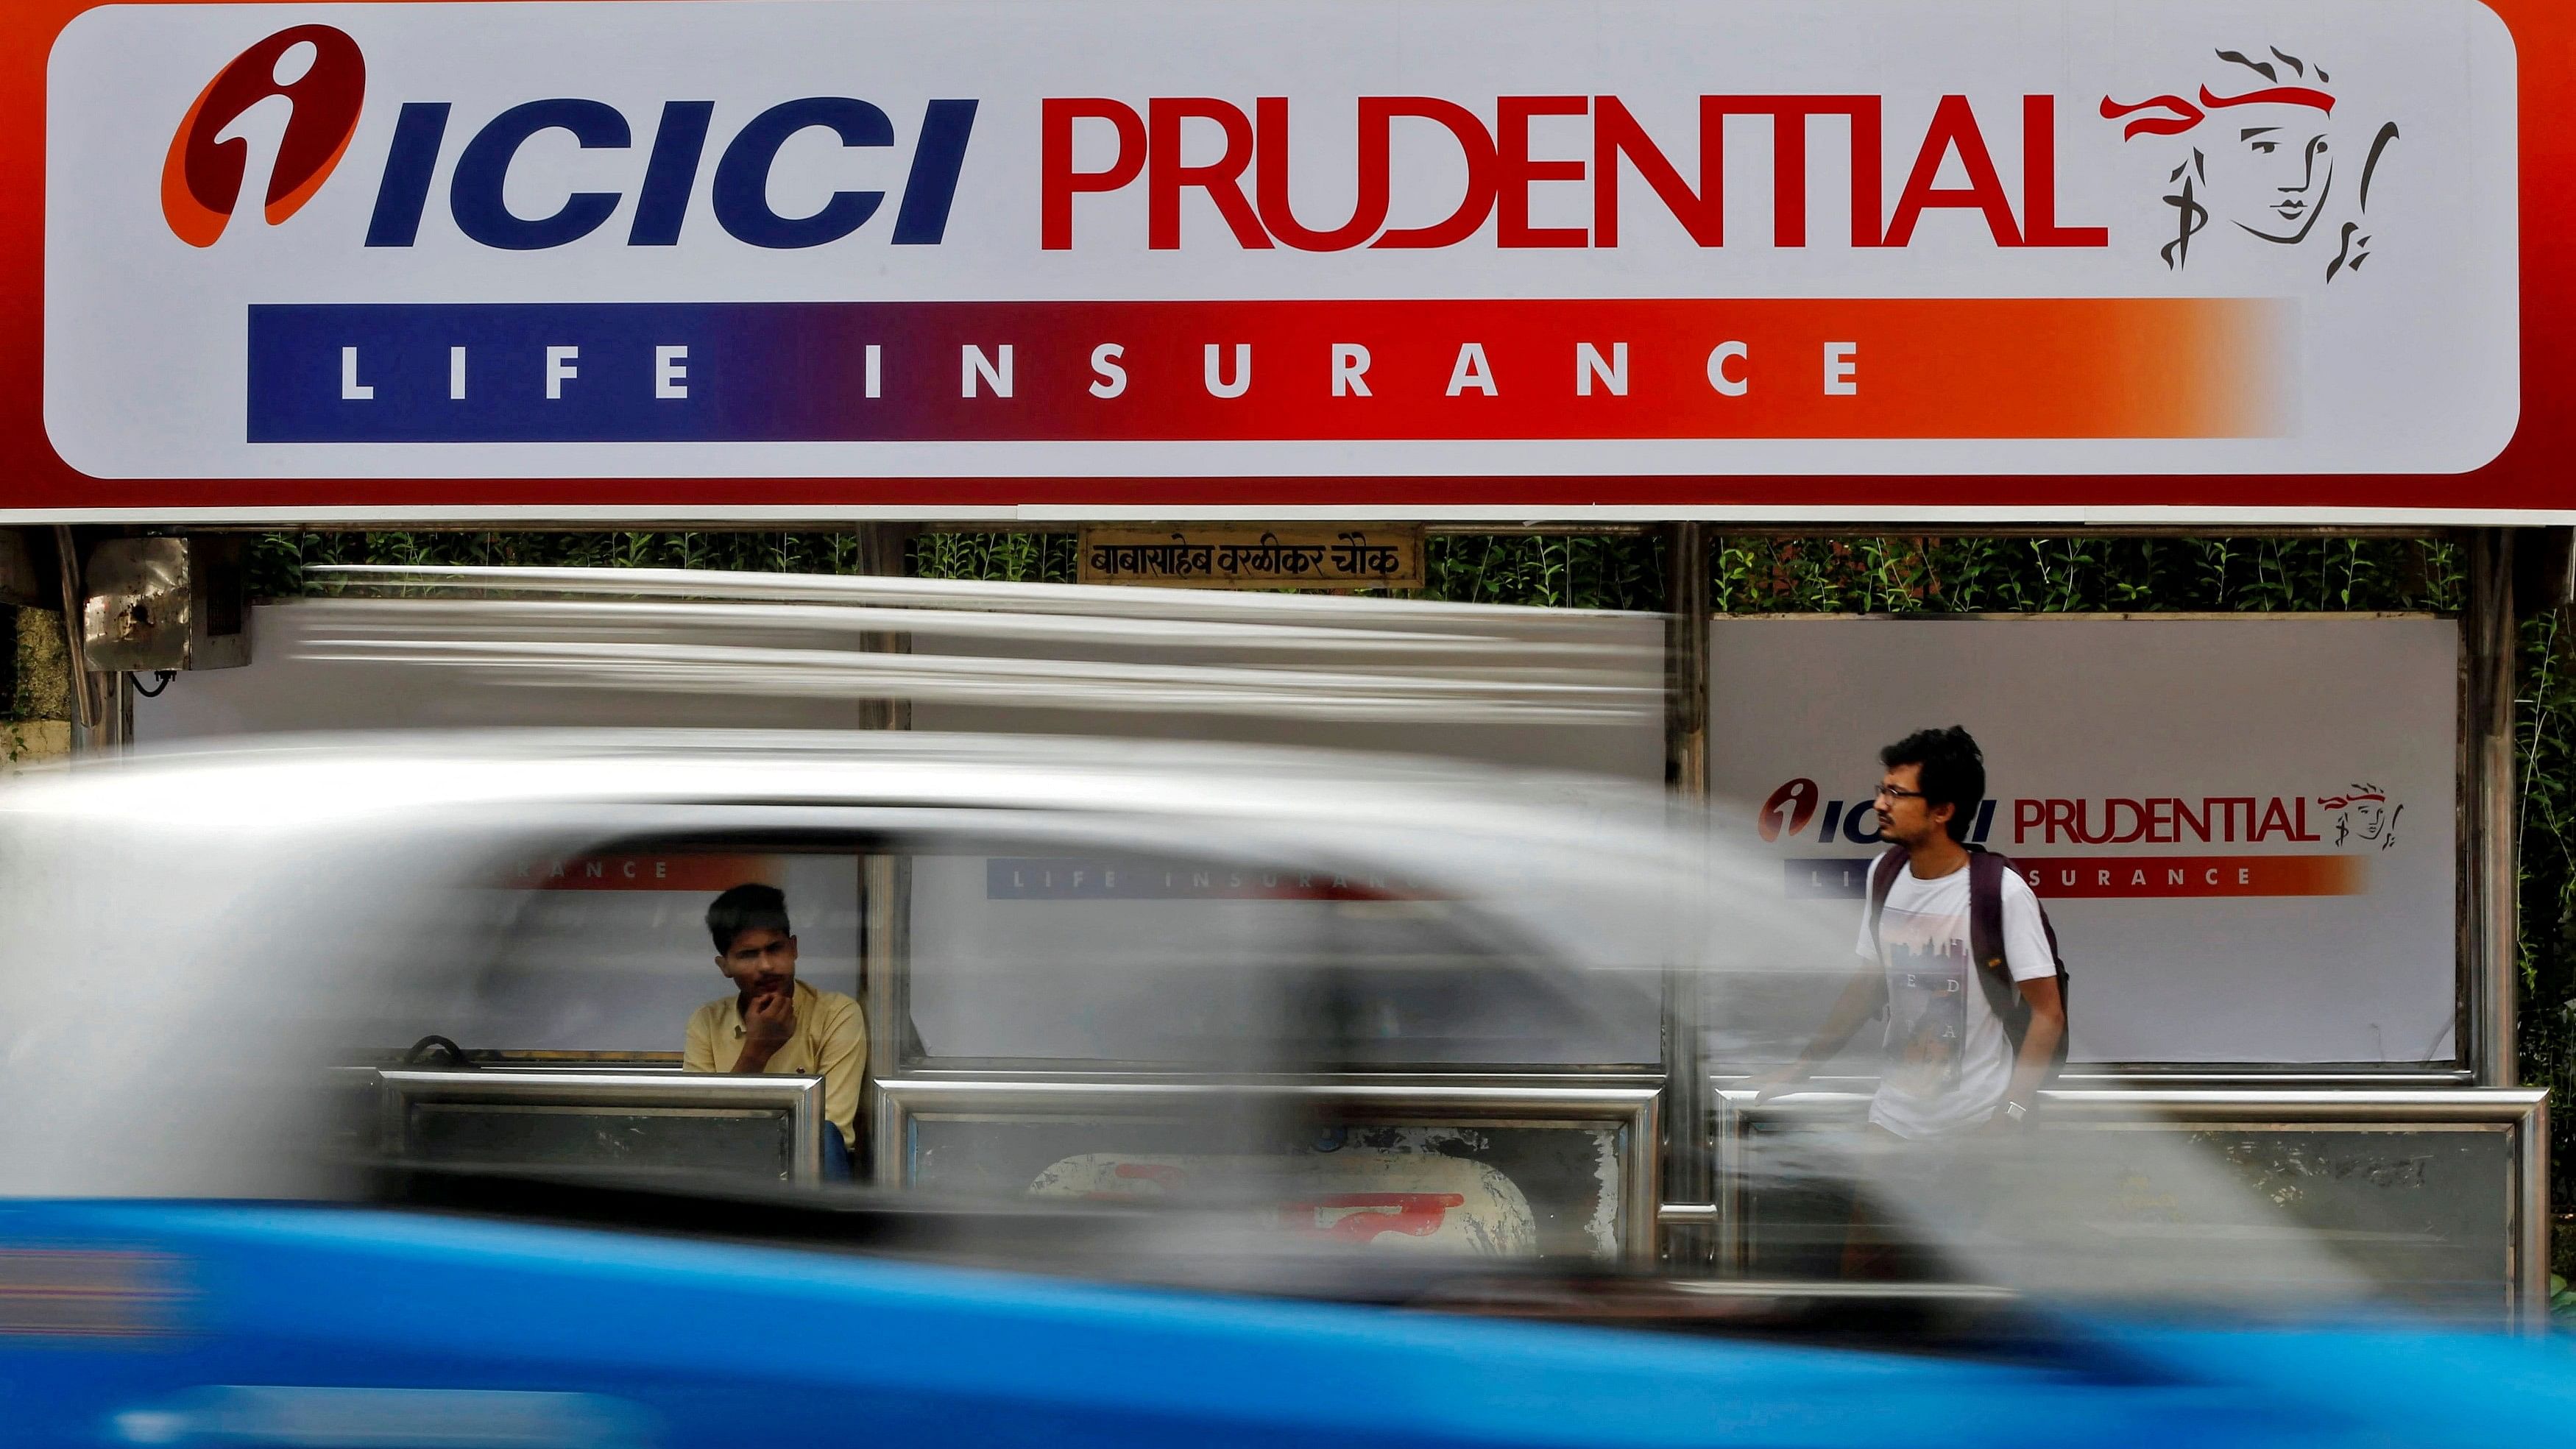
x=767, y=1026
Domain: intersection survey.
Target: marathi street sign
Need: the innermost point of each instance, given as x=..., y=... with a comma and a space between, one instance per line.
x=1252, y=556
x=1289, y=258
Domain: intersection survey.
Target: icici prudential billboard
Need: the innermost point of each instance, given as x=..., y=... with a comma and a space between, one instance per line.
x=2244, y=829
x=845, y=256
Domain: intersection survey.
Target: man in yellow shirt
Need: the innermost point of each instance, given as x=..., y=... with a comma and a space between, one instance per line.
x=776, y=1024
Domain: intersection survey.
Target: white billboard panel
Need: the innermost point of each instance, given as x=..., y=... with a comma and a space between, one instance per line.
x=1142, y=238
x=2243, y=829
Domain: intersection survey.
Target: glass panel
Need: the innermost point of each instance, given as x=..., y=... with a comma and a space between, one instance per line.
x=1514, y=1189
x=608, y=950
x=749, y=1144
x=1173, y=961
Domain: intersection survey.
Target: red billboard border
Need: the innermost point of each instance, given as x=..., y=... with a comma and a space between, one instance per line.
x=2529, y=482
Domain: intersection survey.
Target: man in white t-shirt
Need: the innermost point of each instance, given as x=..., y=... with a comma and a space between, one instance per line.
x=1950, y=1067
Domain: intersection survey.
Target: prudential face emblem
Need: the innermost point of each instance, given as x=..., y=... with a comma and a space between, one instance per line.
x=2271, y=164
x=303, y=87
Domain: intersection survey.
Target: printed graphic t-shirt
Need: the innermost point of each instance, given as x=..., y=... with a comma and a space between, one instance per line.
x=1949, y=1063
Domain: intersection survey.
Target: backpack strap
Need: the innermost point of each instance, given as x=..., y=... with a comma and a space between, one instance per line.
x=1986, y=945
x=1882, y=879
x=1986, y=872
x=1986, y=911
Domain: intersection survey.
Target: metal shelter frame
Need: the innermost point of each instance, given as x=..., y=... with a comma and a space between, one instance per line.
x=1678, y=1203
x=2487, y=924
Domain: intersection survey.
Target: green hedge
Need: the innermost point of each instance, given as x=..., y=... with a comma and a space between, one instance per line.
x=1753, y=574
x=1582, y=572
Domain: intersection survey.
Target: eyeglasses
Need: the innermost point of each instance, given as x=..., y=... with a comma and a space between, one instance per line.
x=1898, y=792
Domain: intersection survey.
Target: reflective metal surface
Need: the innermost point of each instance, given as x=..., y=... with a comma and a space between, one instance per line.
x=1033, y=646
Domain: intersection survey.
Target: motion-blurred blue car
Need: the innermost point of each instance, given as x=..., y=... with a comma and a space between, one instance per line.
x=1195, y=1116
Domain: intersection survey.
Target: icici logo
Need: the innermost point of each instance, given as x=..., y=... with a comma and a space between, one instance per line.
x=1788, y=810
x=304, y=86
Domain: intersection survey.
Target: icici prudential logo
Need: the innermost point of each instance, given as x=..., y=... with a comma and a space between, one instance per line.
x=304, y=87
x=2269, y=164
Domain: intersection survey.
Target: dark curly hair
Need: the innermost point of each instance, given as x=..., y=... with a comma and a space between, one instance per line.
x=1953, y=772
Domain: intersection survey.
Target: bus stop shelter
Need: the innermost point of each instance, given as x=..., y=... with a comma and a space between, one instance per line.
x=1975, y=264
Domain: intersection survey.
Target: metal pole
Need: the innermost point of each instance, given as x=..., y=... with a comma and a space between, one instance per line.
x=86, y=710
x=882, y=554
x=2489, y=932
x=885, y=887
x=116, y=720
x=1686, y=596
x=1689, y=1166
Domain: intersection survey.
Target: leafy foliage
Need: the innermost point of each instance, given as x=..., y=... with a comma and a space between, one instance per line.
x=1579, y=572
x=278, y=560
x=2545, y=769
x=1620, y=571
x=1041, y=558
x=1915, y=575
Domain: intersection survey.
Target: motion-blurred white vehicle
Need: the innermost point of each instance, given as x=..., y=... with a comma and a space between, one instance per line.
x=1215, y=1094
